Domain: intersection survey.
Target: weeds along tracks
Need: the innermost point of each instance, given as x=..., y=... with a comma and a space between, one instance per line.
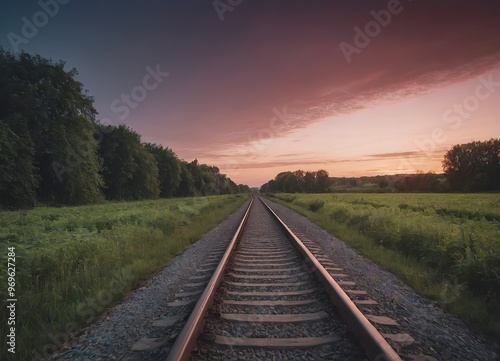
x=270, y=298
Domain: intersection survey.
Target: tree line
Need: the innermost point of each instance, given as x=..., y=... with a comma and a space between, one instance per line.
x=419, y=182
x=53, y=149
x=470, y=167
x=299, y=182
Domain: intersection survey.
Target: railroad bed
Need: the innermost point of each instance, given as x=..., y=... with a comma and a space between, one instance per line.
x=267, y=302
x=151, y=322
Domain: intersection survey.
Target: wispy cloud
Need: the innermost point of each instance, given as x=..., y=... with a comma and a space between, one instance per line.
x=291, y=57
x=227, y=78
x=396, y=155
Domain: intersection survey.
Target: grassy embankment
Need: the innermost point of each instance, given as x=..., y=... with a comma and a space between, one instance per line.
x=73, y=262
x=446, y=246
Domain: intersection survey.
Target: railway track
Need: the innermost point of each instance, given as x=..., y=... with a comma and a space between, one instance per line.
x=271, y=298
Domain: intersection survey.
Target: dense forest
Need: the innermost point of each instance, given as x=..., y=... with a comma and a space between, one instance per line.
x=471, y=167
x=53, y=149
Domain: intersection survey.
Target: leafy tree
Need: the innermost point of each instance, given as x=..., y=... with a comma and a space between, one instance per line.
x=225, y=185
x=284, y=182
x=186, y=185
x=207, y=180
x=145, y=180
x=299, y=181
x=473, y=166
x=60, y=119
x=243, y=188
x=169, y=169
x=309, y=182
x=17, y=176
x=322, y=181
x=130, y=171
x=201, y=177
x=269, y=187
x=383, y=183
x=49, y=151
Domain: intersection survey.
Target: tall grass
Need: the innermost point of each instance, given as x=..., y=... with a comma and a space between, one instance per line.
x=447, y=246
x=73, y=262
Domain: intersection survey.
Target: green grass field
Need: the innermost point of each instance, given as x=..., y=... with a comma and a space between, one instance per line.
x=446, y=246
x=73, y=262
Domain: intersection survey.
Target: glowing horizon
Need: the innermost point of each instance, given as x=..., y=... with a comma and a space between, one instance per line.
x=356, y=88
x=390, y=151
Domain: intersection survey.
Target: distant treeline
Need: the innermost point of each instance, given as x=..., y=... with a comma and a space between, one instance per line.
x=420, y=182
x=471, y=167
x=53, y=149
x=299, y=182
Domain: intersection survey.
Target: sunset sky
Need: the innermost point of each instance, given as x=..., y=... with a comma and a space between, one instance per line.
x=260, y=87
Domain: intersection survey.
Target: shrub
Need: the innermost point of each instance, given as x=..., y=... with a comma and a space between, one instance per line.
x=288, y=198
x=316, y=205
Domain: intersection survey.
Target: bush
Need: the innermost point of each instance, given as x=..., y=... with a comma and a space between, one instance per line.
x=288, y=198
x=316, y=205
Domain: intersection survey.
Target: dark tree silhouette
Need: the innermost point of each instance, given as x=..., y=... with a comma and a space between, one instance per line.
x=53, y=150
x=169, y=169
x=58, y=122
x=473, y=166
x=299, y=182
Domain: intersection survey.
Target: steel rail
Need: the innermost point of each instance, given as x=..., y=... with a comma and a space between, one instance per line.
x=372, y=341
x=186, y=339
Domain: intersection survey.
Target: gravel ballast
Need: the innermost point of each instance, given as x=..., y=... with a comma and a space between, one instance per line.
x=255, y=323
x=130, y=326
x=438, y=334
